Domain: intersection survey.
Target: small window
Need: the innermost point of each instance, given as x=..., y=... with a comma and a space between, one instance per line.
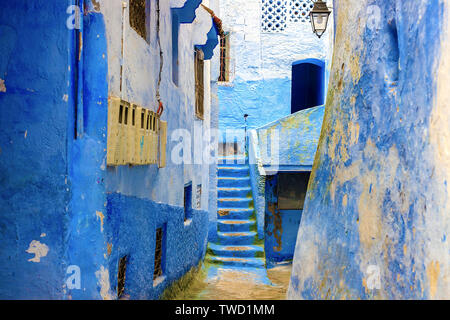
x=158, y=271
x=139, y=17
x=187, y=202
x=121, y=276
x=199, y=83
x=126, y=116
x=224, y=58
x=198, y=197
x=292, y=189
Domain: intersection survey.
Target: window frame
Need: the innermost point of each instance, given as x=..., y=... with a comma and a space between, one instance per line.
x=225, y=58
x=147, y=12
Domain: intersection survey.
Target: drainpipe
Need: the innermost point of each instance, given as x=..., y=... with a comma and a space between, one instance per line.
x=246, y=142
x=161, y=56
x=122, y=52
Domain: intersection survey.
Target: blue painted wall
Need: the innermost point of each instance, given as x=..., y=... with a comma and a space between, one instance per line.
x=281, y=227
x=375, y=224
x=264, y=101
x=60, y=204
x=35, y=117
x=131, y=230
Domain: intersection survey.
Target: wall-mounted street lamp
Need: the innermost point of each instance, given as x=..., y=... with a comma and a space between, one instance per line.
x=319, y=17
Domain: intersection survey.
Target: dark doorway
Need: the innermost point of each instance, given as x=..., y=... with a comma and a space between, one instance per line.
x=308, y=84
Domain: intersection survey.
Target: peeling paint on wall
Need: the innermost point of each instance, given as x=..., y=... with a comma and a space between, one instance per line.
x=2, y=85
x=39, y=250
x=378, y=198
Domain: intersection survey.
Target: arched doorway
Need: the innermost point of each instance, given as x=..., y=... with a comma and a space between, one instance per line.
x=308, y=84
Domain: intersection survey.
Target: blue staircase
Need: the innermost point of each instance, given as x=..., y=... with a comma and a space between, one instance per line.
x=237, y=244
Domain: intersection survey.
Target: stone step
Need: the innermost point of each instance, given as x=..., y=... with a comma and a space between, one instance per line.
x=234, y=192
x=236, y=238
x=238, y=262
x=250, y=251
x=241, y=203
x=232, y=161
x=236, y=172
x=233, y=182
x=235, y=225
x=234, y=213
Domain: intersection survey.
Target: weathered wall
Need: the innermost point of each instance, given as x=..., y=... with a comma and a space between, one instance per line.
x=378, y=200
x=261, y=65
x=288, y=144
x=281, y=227
x=136, y=200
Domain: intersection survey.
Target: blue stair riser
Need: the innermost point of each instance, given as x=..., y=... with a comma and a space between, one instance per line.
x=244, y=263
x=240, y=162
x=243, y=203
x=251, y=253
x=244, y=214
x=234, y=227
x=233, y=182
x=245, y=239
x=234, y=192
x=234, y=172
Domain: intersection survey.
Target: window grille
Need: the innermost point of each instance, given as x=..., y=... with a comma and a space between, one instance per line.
x=158, y=272
x=273, y=15
x=199, y=84
x=138, y=17
x=224, y=58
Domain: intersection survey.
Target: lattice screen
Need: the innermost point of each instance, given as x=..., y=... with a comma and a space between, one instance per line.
x=299, y=10
x=276, y=14
x=273, y=15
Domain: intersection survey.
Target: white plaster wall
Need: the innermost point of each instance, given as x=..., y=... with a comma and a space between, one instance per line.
x=257, y=55
x=140, y=77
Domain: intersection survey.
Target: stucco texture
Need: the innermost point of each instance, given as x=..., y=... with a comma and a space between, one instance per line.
x=378, y=200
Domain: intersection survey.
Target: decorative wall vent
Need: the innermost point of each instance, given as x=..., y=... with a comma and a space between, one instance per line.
x=276, y=14
x=134, y=135
x=299, y=10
